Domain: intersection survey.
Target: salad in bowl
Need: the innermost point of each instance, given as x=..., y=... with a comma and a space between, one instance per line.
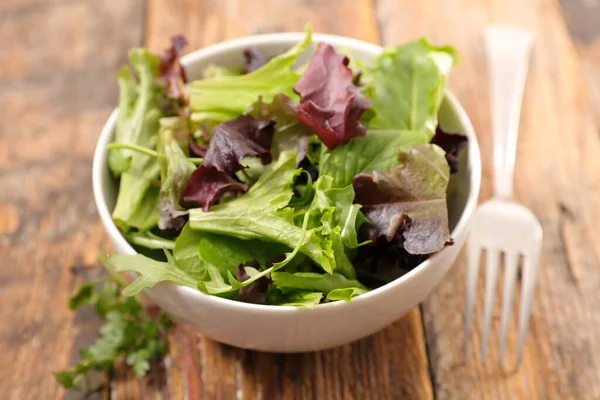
x=298, y=178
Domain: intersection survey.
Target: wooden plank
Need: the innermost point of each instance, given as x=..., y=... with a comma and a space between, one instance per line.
x=391, y=364
x=557, y=177
x=581, y=18
x=57, y=88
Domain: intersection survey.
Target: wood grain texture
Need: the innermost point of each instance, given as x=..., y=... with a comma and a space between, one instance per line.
x=57, y=87
x=558, y=177
x=581, y=18
x=391, y=364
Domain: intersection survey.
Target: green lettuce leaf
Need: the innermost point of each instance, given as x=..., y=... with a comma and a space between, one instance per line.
x=336, y=209
x=314, y=282
x=228, y=252
x=260, y=214
x=198, y=251
x=228, y=97
x=215, y=283
x=298, y=298
x=137, y=124
x=336, y=221
x=175, y=170
x=186, y=253
x=377, y=150
x=408, y=200
x=149, y=240
x=345, y=294
x=137, y=198
x=151, y=272
x=215, y=71
x=406, y=85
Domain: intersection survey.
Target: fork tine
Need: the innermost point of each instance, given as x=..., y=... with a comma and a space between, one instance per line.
x=490, y=285
x=527, y=291
x=511, y=260
x=473, y=257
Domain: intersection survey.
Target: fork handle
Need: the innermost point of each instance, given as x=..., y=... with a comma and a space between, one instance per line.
x=507, y=50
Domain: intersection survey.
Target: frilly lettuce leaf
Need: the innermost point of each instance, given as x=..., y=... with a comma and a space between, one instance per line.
x=289, y=134
x=408, y=200
x=337, y=220
x=151, y=272
x=260, y=214
x=330, y=104
x=232, y=141
x=186, y=252
x=215, y=71
x=170, y=69
x=406, y=85
x=346, y=294
x=451, y=143
x=377, y=150
x=137, y=124
x=314, y=282
x=299, y=298
x=137, y=198
x=228, y=97
x=175, y=170
x=194, y=250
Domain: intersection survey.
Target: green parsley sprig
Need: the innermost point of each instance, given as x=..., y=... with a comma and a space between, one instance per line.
x=127, y=333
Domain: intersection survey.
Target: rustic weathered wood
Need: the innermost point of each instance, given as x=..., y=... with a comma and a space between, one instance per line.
x=57, y=66
x=57, y=87
x=557, y=177
x=581, y=18
x=390, y=364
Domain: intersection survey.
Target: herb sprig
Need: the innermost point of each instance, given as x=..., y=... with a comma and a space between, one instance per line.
x=128, y=333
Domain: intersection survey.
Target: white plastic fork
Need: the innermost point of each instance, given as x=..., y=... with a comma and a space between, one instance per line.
x=500, y=225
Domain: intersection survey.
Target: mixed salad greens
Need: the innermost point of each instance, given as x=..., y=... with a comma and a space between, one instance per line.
x=283, y=184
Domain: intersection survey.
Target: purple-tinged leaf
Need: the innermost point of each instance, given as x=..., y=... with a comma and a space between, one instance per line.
x=256, y=291
x=170, y=70
x=451, y=143
x=196, y=149
x=330, y=104
x=382, y=262
x=175, y=170
x=231, y=142
x=253, y=60
x=290, y=134
x=207, y=185
x=409, y=199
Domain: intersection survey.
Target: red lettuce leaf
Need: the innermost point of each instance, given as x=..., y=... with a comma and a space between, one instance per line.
x=384, y=261
x=409, y=199
x=330, y=103
x=241, y=137
x=196, y=149
x=231, y=142
x=253, y=60
x=207, y=185
x=290, y=134
x=255, y=292
x=170, y=70
x=452, y=143
x=175, y=170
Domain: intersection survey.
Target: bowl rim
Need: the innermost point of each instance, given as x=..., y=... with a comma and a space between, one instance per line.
x=289, y=38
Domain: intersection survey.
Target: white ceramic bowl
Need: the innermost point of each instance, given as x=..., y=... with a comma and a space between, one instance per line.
x=288, y=329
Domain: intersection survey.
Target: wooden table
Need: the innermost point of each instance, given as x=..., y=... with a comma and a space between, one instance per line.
x=57, y=87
